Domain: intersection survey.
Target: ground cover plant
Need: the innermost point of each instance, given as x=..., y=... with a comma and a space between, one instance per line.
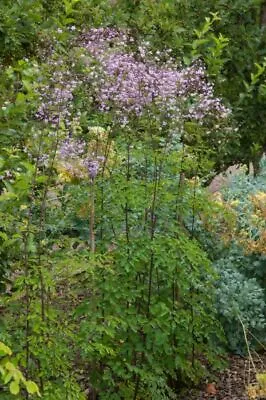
x=122, y=277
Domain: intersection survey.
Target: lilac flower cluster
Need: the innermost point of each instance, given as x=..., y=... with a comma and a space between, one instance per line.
x=126, y=82
x=74, y=161
x=69, y=161
x=70, y=149
x=130, y=85
x=92, y=167
x=56, y=97
x=99, y=40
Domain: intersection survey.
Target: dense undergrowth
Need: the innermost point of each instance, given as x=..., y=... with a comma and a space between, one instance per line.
x=122, y=276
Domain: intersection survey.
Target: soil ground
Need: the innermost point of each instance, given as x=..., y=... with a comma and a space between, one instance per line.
x=232, y=383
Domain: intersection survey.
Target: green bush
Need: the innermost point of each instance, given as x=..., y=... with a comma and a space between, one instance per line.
x=239, y=298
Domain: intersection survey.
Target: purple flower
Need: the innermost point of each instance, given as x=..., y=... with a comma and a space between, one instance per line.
x=92, y=167
x=131, y=85
x=71, y=148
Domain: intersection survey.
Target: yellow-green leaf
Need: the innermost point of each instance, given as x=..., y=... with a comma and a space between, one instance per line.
x=3, y=348
x=14, y=387
x=9, y=366
x=7, y=378
x=32, y=387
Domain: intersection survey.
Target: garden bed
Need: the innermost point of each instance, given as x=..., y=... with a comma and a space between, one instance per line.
x=232, y=383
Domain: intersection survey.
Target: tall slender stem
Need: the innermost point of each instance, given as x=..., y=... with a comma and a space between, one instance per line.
x=26, y=258
x=92, y=216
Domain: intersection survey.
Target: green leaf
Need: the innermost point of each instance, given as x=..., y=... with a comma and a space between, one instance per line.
x=8, y=378
x=32, y=387
x=2, y=162
x=14, y=387
x=20, y=98
x=9, y=366
x=3, y=348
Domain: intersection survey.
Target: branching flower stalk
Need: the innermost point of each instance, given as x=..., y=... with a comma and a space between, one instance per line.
x=158, y=167
x=180, y=184
x=192, y=234
x=92, y=215
x=26, y=256
x=42, y=218
x=127, y=231
x=39, y=248
x=151, y=263
x=179, y=221
x=106, y=157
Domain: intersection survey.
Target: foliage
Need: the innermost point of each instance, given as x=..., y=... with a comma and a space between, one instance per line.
x=240, y=258
x=147, y=289
x=114, y=115
x=238, y=296
x=11, y=375
x=19, y=24
x=230, y=38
